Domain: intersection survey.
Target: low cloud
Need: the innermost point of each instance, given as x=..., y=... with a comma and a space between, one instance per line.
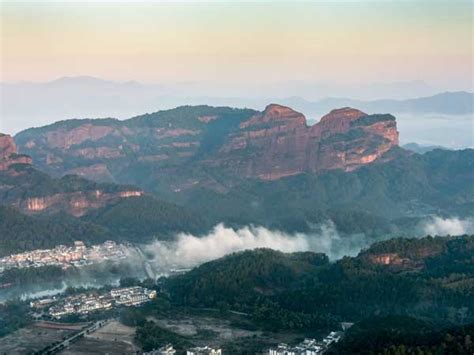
x=448, y=226
x=326, y=239
x=189, y=250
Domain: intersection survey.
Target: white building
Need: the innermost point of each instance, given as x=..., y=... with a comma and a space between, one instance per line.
x=164, y=350
x=132, y=296
x=203, y=350
x=306, y=347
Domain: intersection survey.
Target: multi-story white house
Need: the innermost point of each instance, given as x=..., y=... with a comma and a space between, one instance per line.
x=203, y=350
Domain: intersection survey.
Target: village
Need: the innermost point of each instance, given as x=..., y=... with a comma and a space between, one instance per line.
x=307, y=346
x=65, y=256
x=80, y=320
x=84, y=303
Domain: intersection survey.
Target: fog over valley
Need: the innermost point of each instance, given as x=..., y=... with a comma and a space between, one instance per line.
x=186, y=251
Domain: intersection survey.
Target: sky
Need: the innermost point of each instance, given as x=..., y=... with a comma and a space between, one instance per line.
x=337, y=42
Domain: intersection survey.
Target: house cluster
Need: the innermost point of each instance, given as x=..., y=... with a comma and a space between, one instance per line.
x=89, y=302
x=203, y=350
x=200, y=350
x=132, y=296
x=65, y=256
x=307, y=346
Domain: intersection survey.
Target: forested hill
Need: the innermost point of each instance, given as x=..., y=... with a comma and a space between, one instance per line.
x=136, y=219
x=19, y=232
x=430, y=278
x=241, y=277
x=396, y=335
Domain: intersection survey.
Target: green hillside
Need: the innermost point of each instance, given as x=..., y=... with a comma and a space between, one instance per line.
x=434, y=280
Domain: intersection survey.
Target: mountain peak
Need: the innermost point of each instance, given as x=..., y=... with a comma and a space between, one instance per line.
x=344, y=113
x=79, y=80
x=276, y=113
x=278, y=110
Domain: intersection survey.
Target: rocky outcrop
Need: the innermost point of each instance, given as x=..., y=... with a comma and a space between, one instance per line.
x=8, y=153
x=180, y=146
x=64, y=139
x=278, y=143
x=75, y=203
x=387, y=259
x=7, y=146
x=31, y=191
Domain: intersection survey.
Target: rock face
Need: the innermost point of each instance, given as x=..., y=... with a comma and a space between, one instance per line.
x=278, y=143
x=8, y=154
x=7, y=146
x=181, y=147
x=32, y=192
x=76, y=203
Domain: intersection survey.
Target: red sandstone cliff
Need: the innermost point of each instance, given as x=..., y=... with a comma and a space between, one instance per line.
x=183, y=143
x=278, y=143
x=74, y=197
x=75, y=203
x=8, y=153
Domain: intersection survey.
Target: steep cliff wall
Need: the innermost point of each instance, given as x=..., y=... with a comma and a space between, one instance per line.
x=8, y=153
x=183, y=144
x=31, y=191
x=278, y=143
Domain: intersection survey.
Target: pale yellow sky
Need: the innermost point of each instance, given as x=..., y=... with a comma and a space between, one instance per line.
x=332, y=41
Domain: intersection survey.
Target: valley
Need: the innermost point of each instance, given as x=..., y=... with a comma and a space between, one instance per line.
x=265, y=177
x=253, y=300
x=252, y=228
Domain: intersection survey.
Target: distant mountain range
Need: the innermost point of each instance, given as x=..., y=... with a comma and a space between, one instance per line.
x=447, y=103
x=421, y=149
x=35, y=104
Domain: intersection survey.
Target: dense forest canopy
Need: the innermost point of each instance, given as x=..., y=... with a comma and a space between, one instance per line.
x=429, y=277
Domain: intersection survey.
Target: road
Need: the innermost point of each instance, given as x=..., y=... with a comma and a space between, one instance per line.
x=66, y=342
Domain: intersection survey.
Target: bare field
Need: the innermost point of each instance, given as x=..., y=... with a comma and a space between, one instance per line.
x=33, y=338
x=113, y=338
x=232, y=332
x=194, y=325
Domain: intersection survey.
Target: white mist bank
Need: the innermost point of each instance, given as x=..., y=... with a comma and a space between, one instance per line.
x=223, y=240
x=448, y=226
x=189, y=250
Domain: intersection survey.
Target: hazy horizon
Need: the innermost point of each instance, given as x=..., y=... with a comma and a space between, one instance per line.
x=340, y=43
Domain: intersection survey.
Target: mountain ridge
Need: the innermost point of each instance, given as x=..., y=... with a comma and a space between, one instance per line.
x=267, y=145
x=268, y=168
